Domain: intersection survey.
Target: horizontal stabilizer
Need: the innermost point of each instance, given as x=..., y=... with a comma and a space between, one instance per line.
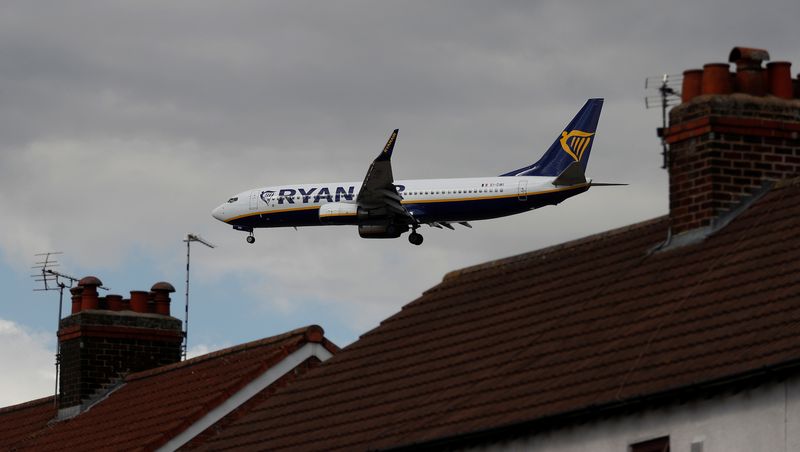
x=605, y=184
x=572, y=175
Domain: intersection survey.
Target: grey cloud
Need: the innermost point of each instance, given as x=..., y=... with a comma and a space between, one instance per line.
x=168, y=108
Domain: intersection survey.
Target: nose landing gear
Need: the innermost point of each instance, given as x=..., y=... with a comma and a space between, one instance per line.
x=250, y=238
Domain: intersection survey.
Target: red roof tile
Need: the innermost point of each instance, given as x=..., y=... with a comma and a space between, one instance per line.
x=153, y=406
x=590, y=323
x=17, y=422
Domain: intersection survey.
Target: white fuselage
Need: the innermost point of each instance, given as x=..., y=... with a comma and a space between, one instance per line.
x=434, y=200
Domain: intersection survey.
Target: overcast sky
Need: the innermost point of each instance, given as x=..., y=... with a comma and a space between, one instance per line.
x=122, y=124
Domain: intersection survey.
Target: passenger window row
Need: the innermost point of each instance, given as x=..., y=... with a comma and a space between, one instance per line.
x=455, y=192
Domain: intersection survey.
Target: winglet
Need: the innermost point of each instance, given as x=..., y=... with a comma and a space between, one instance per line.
x=386, y=154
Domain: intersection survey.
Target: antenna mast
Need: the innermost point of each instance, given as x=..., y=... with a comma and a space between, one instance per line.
x=189, y=239
x=667, y=96
x=53, y=280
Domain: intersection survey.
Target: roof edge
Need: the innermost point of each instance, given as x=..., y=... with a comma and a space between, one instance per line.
x=28, y=404
x=564, y=245
x=310, y=333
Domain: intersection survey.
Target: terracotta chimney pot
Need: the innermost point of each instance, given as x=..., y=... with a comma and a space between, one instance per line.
x=114, y=302
x=76, y=299
x=692, y=84
x=750, y=78
x=89, y=297
x=779, y=76
x=161, y=291
x=139, y=299
x=716, y=79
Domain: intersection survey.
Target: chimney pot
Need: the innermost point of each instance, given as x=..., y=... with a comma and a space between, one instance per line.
x=114, y=302
x=692, y=84
x=750, y=77
x=76, y=299
x=89, y=297
x=779, y=76
x=796, y=87
x=139, y=299
x=161, y=291
x=716, y=79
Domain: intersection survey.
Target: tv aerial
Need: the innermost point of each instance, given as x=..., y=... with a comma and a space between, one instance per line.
x=51, y=279
x=665, y=93
x=188, y=240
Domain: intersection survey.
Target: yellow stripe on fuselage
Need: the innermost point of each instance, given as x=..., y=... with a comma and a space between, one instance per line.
x=326, y=215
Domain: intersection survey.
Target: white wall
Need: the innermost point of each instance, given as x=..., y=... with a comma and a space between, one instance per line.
x=766, y=418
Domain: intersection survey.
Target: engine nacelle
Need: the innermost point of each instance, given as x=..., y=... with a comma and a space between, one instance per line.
x=381, y=231
x=338, y=213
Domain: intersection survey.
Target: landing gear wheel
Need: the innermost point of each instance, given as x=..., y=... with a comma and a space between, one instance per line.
x=251, y=239
x=415, y=238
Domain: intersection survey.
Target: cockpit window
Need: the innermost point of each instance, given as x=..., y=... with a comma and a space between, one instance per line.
x=234, y=199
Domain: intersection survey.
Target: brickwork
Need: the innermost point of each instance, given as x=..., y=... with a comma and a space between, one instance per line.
x=98, y=347
x=724, y=148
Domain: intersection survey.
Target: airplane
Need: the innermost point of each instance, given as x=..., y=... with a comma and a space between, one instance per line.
x=382, y=207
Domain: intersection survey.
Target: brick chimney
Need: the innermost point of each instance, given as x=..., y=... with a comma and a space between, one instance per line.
x=733, y=133
x=104, y=339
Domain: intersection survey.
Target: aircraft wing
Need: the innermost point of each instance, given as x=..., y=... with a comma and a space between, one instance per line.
x=378, y=194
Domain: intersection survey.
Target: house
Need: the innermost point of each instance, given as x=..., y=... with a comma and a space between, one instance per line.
x=123, y=386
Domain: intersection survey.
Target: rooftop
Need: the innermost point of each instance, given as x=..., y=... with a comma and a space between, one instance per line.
x=151, y=407
x=593, y=324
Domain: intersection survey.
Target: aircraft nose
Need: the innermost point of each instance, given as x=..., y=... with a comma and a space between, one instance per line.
x=219, y=213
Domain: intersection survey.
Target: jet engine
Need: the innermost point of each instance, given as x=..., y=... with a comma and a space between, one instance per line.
x=381, y=231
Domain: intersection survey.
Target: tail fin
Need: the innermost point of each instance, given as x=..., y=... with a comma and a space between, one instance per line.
x=573, y=145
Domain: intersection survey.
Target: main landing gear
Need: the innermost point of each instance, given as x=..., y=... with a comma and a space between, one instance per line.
x=415, y=238
x=251, y=238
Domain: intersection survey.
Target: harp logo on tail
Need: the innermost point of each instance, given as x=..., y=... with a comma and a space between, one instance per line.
x=575, y=142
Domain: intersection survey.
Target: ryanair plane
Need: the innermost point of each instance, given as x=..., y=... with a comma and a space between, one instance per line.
x=382, y=207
